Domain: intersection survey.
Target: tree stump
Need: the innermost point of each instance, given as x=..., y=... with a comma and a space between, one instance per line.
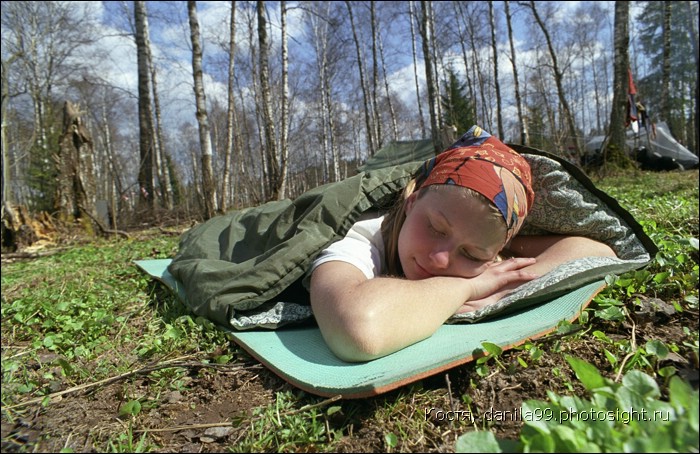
x=21, y=230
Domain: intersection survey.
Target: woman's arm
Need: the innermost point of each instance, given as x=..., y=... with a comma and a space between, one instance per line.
x=362, y=319
x=550, y=252
x=553, y=250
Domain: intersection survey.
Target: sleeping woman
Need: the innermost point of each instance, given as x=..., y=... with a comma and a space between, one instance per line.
x=450, y=245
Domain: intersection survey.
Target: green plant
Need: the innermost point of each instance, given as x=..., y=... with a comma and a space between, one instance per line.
x=619, y=417
x=279, y=427
x=493, y=352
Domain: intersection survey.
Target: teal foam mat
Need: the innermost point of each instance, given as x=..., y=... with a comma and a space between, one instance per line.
x=301, y=357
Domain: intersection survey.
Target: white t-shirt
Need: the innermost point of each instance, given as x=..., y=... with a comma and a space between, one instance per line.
x=362, y=246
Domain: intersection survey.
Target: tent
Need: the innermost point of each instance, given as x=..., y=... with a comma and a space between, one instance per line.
x=656, y=150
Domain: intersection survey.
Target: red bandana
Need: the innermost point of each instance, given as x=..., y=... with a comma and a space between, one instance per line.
x=483, y=163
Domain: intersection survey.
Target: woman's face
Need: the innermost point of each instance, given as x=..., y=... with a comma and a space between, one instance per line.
x=448, y=233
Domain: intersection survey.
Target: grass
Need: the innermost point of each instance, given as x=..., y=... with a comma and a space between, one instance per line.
x=84, y=325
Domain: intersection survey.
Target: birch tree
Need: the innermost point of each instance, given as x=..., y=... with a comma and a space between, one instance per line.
x=559, y=81
x=208, y=184
x=363, y=84
x=522, y=126
x=494, y=49
x=614, y=150
x=270, y=136
x=411, y=17
x=666, y=62
x=42, y=40
x=146, y=152
x=321, y=32
x=284, y=133
x=230, y=114
x=377, y=114
x=430, y=77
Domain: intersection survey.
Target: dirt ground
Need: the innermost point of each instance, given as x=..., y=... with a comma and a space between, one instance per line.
x=177, y=420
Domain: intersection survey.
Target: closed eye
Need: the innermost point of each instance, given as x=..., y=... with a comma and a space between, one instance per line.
x=434, y=230
x=468, y=256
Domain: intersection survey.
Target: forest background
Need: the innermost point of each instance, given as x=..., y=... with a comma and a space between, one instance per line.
x=122, y=113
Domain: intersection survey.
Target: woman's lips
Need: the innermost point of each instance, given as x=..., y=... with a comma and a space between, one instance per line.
x=422, y=272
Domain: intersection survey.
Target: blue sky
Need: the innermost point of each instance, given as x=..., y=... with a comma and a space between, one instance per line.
x=171, y=47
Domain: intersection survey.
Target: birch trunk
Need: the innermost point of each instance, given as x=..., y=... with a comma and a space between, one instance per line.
x=468, y=66
x=615, y=146
x=691, y=26
x=429, y=76
x=166, y=187
x=230, y=115
x=497, y=85
x=666, y=63
x=411, y=16
x=377, y=114
x=522, y=126
x=558, y=80
x=146, y=184
x=368, y=123
x=273, y=173
x=284, y=133
x=261, y=194
x=392, y=113
x=208, y=185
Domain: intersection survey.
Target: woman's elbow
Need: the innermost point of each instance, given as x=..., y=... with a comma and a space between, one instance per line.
x=358, y=341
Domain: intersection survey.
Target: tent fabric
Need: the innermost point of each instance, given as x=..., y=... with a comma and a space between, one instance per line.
x=299, y=355
x=245, y=270
x=658, y=145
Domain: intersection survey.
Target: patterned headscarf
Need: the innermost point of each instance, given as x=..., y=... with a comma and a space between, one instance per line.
x=483, y=163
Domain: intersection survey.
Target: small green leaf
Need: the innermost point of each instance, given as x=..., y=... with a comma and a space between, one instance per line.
x=587, y=373
x=131, y=408
x=222, y=359
x=391, y=440
x=656, y=347
x=479, y=441
x=334, y=409
x=492, y=348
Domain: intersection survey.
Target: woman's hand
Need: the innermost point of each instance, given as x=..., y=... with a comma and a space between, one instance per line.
x=499, y=279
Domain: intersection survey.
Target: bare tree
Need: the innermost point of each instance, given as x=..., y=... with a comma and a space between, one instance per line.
x=558, y=80
x=321, y=32
x=208, y=184
x=411, y=16
x=376, y=112
x=522, y=126
x=146, y=152
x=284, y=132
x=614, y=150
x=7, y=197
x=161, y=160
x=368, y=123
x=691, y=26
x=390, y=104
x=430, y=77
x=666, y=62
x=270, y=136
x=230, y=114
x=468, y=68
x=497, y=85
x=41, y=40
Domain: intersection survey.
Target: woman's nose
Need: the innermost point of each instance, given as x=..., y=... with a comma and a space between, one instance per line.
x=440, y=259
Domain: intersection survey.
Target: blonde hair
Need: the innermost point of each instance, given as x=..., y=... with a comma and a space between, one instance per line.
x=394, y=219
